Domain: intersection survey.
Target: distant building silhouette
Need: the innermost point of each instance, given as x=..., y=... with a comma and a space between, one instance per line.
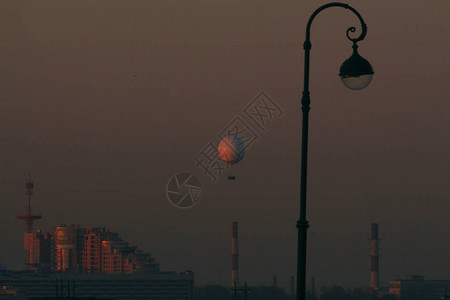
x=416, y=287
x=74, y=249
x=71, y=249
x=159, y=286
x=87, y=262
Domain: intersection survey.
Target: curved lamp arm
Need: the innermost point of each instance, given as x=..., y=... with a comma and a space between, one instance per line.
x=352, y=29
x=307, y=43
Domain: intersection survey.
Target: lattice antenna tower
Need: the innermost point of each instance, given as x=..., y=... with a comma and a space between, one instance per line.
x=29, y=218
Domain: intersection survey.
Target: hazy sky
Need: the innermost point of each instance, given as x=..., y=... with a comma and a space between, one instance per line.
x=103, y=101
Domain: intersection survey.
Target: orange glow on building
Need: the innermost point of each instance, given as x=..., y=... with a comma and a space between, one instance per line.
x=70, y=249
x=66, y=249
x=37, y=250
x=92, y=254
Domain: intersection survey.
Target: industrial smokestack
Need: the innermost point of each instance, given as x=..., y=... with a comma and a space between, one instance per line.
x=275, y=279
x=374, y=277
x=313, y=286
x=292, y=287
x=234, y=255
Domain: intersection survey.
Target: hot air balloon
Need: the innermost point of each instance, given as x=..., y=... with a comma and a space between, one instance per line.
x=231, y=150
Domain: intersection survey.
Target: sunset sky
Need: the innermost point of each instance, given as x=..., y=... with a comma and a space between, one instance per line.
x=104, y=101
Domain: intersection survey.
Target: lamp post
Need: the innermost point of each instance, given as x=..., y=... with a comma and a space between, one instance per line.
x=356, y=73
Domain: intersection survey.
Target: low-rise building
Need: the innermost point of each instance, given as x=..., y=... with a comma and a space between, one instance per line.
x=159, y=286
x=415, y=287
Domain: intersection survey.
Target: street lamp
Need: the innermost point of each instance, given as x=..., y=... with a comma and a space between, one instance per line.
x=356, y=73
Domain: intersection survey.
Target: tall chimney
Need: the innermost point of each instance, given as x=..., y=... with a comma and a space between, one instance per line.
x=374, y=277
x=313, y=286
x=234, y=255
x=292, y=287
x=275, y=279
